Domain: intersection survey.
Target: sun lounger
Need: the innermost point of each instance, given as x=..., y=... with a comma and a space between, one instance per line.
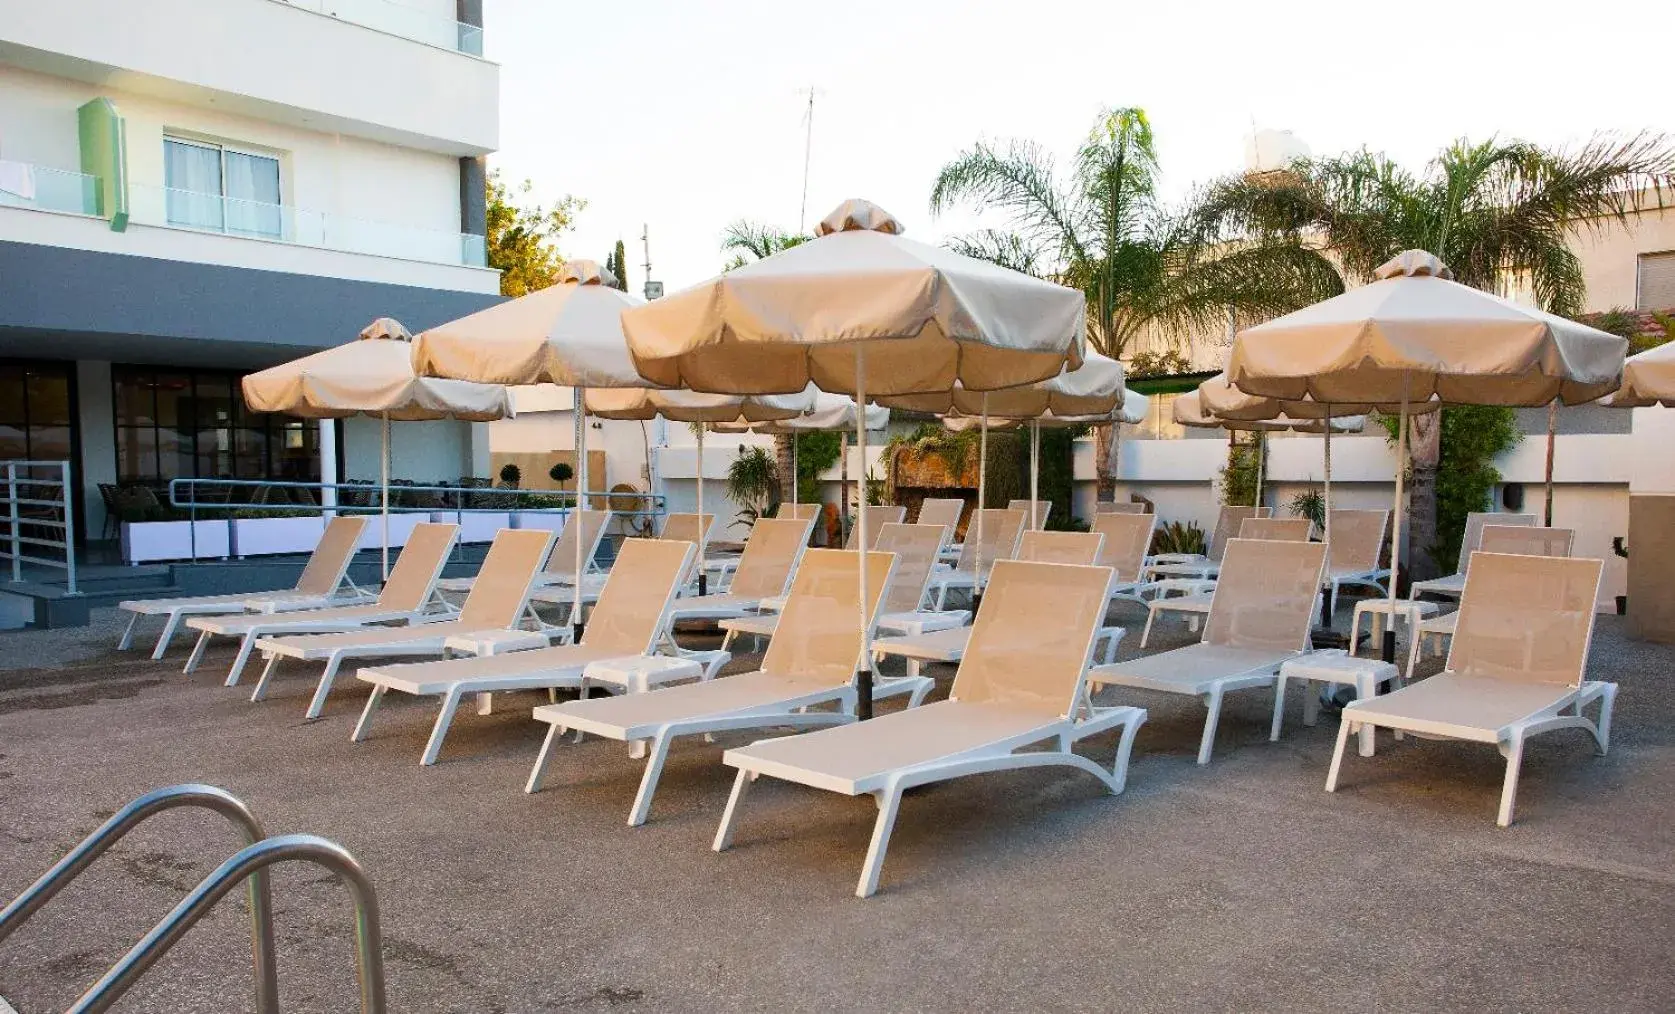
x=878, y=515
x=1191, y=597
x=798, y=511
x=1228, y=520
x=1020, y=685
x=560, y=568
x=1516, y=667
x=631, y=616
x=1452, y=585
x=409, y=596
x=495, y=603
x=1358, y=540
x=1259, y=618
x=1001, y=531
x=945, y=511
x=1114, y=507
x=318, y=585
x=1128, y=538
x=1042, y=509
x=1514, y=540
x=806, y=679
x=770, y=559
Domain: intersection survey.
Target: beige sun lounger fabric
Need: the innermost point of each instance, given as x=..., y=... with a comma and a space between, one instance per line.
x=941, y=511
x=495, y=604
x=1128, y=538
x=1515, y=669
x=878, y=515
x=1514, y=540
x=799, y=511
x=693, y=528
x=561, y=562
x=770, y=559
x=1452, y=585
x=1259, y=618
x=631, y=615
x=1020, y=684
x=317, y=585
x=1115, y=507
x=1358, y=541
x=1042, y=508
x=811, y=665
x=406, y=596
x=1061, y=547
x=1002, y=529
x=1276, y=529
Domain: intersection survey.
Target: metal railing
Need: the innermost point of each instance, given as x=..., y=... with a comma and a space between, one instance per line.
x=30, y=513
x=248, y=866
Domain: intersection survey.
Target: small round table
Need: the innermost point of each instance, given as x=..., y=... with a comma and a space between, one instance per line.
x=1333, y=666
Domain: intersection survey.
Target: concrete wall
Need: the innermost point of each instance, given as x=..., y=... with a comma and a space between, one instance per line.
x=424, y=452
x=1610, y=252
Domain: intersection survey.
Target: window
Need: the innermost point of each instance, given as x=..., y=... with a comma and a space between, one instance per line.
x=1655, y=284
x=37, y=418
x=173, y=423
x=212, y=186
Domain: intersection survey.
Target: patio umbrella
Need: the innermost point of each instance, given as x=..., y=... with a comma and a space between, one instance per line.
x=831, y=412
x=569, y=334
x=372, y=375
x=1414, y=335
x=1648, y=380
x=1189, y=411
x=860, y=310
x=704, y=410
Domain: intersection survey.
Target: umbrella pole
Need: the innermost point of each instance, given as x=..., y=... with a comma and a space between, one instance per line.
x=1552, y=434
x=793, y=475
x=1034, y=471
x=1261, y=446
x=384, y=494
x=580, y=396
x=843, y=476
x=863, y=677
x=982, y=493
x=1326, y=524
x=703, y=575
x=1396, y=530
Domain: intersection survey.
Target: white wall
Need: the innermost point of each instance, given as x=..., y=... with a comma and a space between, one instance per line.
x=422, y=451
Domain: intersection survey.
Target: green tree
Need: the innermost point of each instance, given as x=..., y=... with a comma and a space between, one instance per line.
x=1499, y=213
x=1101, y=228
x=522, y=236
x=616, y=262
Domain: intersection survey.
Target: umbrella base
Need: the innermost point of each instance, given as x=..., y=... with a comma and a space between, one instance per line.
x=1321, y=637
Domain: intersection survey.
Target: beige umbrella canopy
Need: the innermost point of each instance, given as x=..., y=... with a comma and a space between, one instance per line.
x=831, y=413
x=372, y=375
x=1648, y=380
x=1093, y=389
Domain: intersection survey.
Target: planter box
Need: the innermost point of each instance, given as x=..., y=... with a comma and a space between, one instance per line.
x=552, y=521
x=268, y=536
x=147, y=541
x=401, y=526
x=478, y=527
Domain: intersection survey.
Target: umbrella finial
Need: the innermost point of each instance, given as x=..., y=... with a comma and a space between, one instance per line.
x=586, y=272
x=857, y=215
x=1411, y=264
x=386, y=329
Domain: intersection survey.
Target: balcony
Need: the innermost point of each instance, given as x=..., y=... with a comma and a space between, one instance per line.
x=31, y=186
x=397, y=18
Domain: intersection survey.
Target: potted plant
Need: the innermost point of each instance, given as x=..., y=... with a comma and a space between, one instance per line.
x=151, y=532
x=753, y=484
x=561, y=473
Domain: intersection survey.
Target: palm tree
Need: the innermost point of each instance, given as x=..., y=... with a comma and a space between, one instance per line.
x=1499, y=213
x=753, y=241
x=1102, y=229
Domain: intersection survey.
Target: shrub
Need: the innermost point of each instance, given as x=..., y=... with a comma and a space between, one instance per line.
x=510, y=475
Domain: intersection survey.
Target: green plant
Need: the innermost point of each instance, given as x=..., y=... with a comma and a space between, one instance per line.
x=1178, y=537
x=1057, y=478
x=1311, y=504
x=510, y=475
x=752, y=241
x=816, y=452
x=1471, y=438
x=1238, y=478
x=752, y=483
x=520, y=240
x=561, y=473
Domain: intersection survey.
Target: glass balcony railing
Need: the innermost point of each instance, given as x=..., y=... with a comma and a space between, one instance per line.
x=190, y=209
x=23, y=185
x=401, y=19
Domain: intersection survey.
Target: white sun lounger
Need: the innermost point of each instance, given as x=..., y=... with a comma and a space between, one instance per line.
x=765, y=570
x=798, y=511
x=1201, y=566
x=1002, y=529
x=1453, y=584
x=806, y=679
x=1358, y=539
x=878, y=515
x=1259, y=618
x=1513, y=540
x=1020, y=685
x=1128, y=538
x=628, y=621
x=1194, y=600
x=409, y=596
x=675, y=526
x=1516, y=668
x=493, y=605
x=946, y=512
x=318, y=585
x=1042, y=507
x=560, y=567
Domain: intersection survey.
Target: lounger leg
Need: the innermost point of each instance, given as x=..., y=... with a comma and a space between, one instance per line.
x=913, y=665
x=941, y=597
x=538, y=774
x=648, y=780
x=165, y=637
x=318, y=703
x=889, y=804
x=245, y=647
x=1279, y=709
x=1125, y=750
x=485, y=703
x=727, y=640
x=1311, y=702
x=1602, y=733
x=439, y=731
x=1337, y=755
x=1509, y=789
x=372, y=703
x=261, y=690
x=730, y=816
x=1212, y=701
x=127, y=640
x=1146, y=635
x=1369, y=688
x=197, y=655
x=1335, y=611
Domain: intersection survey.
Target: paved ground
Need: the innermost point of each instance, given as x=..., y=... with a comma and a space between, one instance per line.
x=1242, y=886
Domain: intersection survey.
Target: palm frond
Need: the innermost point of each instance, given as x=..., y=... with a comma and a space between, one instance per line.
x=1017, y=180
x=1008, y=249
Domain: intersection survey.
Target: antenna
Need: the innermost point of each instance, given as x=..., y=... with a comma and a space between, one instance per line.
x=654, y=290
x=808, y=150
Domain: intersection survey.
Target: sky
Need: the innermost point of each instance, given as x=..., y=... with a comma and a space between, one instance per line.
x=680, y=117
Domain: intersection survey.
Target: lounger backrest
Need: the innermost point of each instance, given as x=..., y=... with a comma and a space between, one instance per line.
x=692, y=528
x=1115, y=507
x=941, y=511
x=1061, y=547
x=634, y=604
x=915, y=547
x=818, y=638
x=1526, y=618
x=798, y=511
x=589, y=526
x=414, y=575
x=1128, y=538
x=1264, y=598
x=503, y=583
x=330, y=559
x=1228, y=521
x=1001, y=532
x=1527, y=540
x=1357, y=539
x=1276, y=529
x=770, y=556
x=1473, y=539
x=878, y=515
x=1033, y=638
x=1042, y=507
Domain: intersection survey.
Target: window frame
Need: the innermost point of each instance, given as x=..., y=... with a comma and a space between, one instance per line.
x=221, y=148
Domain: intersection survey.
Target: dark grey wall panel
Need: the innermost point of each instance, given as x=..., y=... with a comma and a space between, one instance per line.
x=473, y=196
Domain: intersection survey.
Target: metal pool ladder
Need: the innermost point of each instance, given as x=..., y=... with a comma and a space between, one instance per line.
x=248, y=865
